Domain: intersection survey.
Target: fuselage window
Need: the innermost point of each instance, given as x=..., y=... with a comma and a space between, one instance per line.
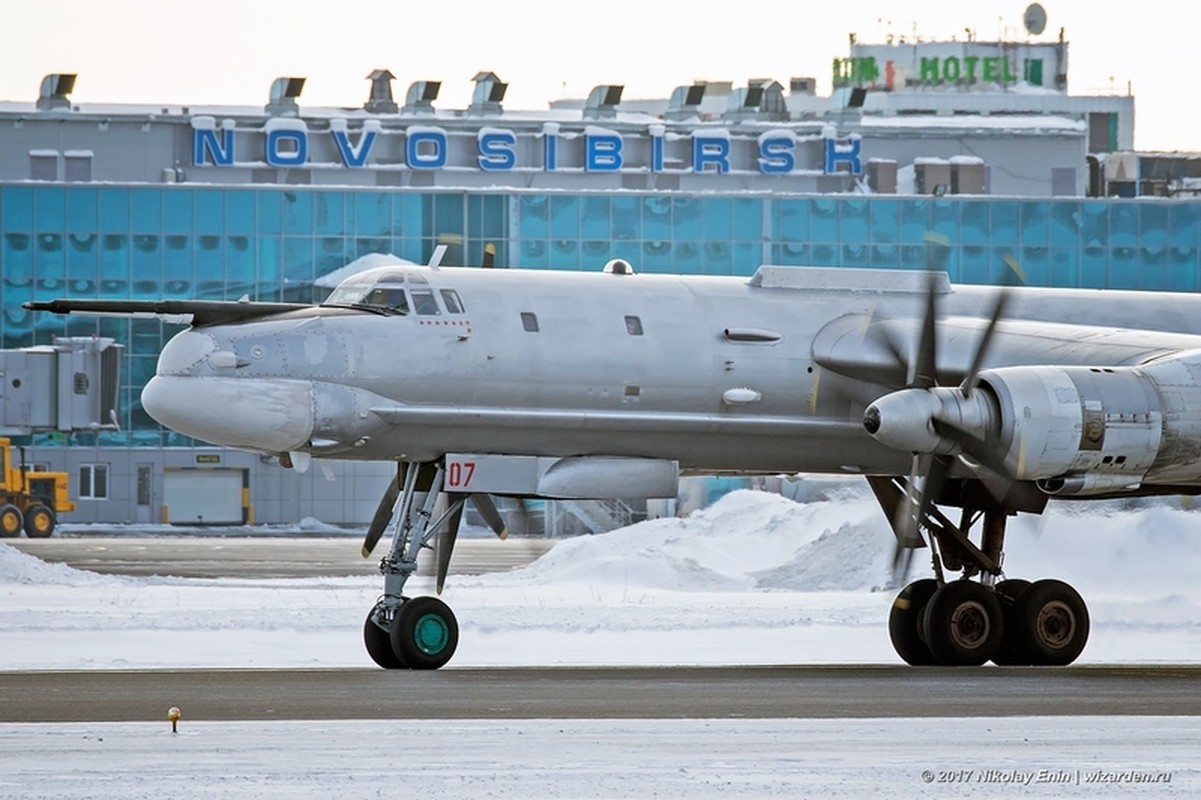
x=529, y=321
x=634, y=326
x=425, y=303
x=450, y=299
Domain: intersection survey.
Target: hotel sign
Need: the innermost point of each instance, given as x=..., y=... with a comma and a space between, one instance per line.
x=959, y=65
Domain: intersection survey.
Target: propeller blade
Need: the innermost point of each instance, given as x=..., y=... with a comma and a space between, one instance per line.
x=973, y=374
x=383, y=515
x=484, y=504
x=979, y=450
x=925, y=366
x=489, y=259
x=444, y=546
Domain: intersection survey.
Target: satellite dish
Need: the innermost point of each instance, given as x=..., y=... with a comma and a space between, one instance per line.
x=1035, y=19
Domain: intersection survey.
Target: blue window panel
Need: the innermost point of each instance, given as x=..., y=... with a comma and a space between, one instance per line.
x=1094, y=267
x=16, y=258
x=657, y=257
x=450, y=215
x=1065, y=221
x=974, y=264
x=823, y=219
x=1094, y=224
x=82, y=211
x=1035, y=263
x=748, y=256
x=885, y=221
x=916, y=256
x=411, y=248
x=177, y=210
x=1123, y=268
x=329, y=214
x=594, y=217
x=1182, y=269
x=974, y=225
x=535, y=254
x=822, y=254
x=329, y=254
x=790, y=220
x=82, y=262
x=1034, y=224
x=630, y=251
x=886, y=256
x=145, y=209
x=855, y=254
x=627, y=220
x=793, y=254
x=486, y=217
x=1063, y=268
x=564, y=254
x=239, y=259
x=717, y=257
x=16, y=208
x=298, y=213
x=686, y=219
x=176, y=253
x=564, y=217
x=369, y=245
x=49, y=209
x=853, y=221
x=915, y=221
x=594, y=254
x=1123, y=224
x=240, y=211
x=409, y=212
x=1182, y=224
x=532, y=216
x=115, y=262
x=208, y=211
x=656, y=218
x=298, y=261
x=269, y=211
x=1004, y=223
x=373, y=214
x=264, y=282
x=1153, y=225
x=717, y=214
x=1152, y=269
x=944, y=220
x=208, y=257
x=687, y=257
x=145, y=266
x=748, y=222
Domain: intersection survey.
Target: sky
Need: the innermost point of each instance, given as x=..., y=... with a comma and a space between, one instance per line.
x=227, y=52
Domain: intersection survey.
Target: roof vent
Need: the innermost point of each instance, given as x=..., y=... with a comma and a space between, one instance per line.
x=381, y=101
x=489, y=94
x=602, y=102
x=761, y=99
x=54, y=91
x=421, y=96
x=284, y=92
x=685, y=102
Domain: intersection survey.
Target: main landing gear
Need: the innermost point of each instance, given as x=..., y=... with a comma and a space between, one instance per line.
x=978, y=618
x=404, y=632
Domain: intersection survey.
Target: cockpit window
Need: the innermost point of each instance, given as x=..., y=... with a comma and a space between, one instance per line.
x=383, y=292
x=450, y=299
x=425, y=303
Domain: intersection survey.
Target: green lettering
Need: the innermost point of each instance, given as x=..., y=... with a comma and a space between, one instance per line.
x=929, y=70
x=990, y=69
x=970, y=62
x=1006, y=71
x=840, y=78
x=950, y=69
x=869, y=69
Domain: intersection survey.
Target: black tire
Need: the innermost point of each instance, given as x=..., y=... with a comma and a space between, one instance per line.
x=1052, y=623
x=39, y=521
x=1010, y=653
x=425, y=633
x=11, y=520
x=904, y=623
x=378, y=641
x=963, y=624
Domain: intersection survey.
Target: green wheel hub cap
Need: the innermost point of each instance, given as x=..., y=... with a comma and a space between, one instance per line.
x=431, y=634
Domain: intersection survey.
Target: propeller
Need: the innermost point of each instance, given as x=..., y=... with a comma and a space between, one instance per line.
x=382, y=516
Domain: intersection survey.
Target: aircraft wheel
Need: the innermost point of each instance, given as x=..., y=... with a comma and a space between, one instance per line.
x=11, y=520
x=1052, y=623
x=904, y=622
x=379, y=643
x=1010, y=653
x=963, y=624
x=39, y=522
x=425, y=633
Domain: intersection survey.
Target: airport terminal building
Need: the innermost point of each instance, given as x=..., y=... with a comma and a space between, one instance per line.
x=958, y=156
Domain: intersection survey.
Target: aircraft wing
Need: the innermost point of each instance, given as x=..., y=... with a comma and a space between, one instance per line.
x=196, y=312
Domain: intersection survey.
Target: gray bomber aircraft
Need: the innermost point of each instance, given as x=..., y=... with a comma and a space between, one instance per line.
x=481, y=382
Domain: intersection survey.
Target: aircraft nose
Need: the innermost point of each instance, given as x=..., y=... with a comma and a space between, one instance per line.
x=272, y=416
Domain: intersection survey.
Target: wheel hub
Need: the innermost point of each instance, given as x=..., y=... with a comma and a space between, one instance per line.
x=1056, y=624
x=431, y=634
x=970, y=625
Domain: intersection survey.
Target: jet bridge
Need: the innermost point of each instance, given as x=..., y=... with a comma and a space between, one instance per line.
x=71, y=385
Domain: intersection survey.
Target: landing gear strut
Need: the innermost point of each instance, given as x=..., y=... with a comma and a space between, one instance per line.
x=974, y=619
x=420, y=632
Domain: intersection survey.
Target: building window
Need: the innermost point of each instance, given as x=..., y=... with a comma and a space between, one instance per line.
x=43, y=165
x=93, y=481
x=77, y=165
x=529, y=321
x=633, y=326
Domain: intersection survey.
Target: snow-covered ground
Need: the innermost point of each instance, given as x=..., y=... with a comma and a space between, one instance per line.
x=753, y=579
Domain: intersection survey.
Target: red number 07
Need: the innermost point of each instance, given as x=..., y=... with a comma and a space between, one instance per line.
x=459, y=474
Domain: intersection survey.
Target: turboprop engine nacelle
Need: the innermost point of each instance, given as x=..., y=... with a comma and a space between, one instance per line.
x=1073, y=430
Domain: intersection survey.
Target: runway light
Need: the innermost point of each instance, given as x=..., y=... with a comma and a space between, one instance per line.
x=174, y=715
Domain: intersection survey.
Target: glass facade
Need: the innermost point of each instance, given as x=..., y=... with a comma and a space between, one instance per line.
x=150, y=242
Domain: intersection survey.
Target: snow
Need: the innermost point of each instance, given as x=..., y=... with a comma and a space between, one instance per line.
x=753, y=579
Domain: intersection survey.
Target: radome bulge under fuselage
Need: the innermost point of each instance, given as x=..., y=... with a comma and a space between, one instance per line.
x=719, y=374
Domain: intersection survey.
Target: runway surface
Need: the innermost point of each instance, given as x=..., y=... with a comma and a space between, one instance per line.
x=613, y=693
